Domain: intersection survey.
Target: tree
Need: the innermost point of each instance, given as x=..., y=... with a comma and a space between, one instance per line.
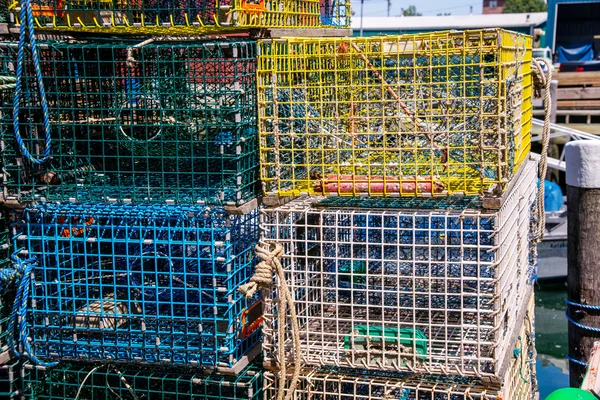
x=410, y=11
x=443, y=14
x=524, y=6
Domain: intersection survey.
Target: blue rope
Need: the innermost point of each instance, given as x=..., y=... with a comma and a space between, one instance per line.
x=18, y=317
x=576, y=361
x=584, y=306
x=26, y=16
x=8, y=275
x=581, y=326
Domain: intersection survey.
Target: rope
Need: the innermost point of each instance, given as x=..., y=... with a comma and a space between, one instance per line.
x=27, y=25
x=542, y=83
x=18, y=320
x=130, y=59
x=576, y=361
x=581, y=326
x=584, y=306
x=8, y=275
x=8, y=82
x=263, y=279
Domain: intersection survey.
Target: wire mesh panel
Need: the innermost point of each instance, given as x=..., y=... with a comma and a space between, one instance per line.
x=109, y=381
x=10, y=382
x=413, y=115
x=6, y=291
x=189, y=17
x=171, y=122
x=432, y=290
x=6, y=302
x=142, y=284
x=518, y=383
x=4, y=238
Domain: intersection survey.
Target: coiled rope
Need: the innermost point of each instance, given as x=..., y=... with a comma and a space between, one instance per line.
x=263, y=279
x=27, y=24
x=18, y=318
x=542, y=84
x=8, y=82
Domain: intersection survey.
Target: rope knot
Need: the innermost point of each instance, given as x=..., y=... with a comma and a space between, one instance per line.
x=130, y=59
x=263, y=276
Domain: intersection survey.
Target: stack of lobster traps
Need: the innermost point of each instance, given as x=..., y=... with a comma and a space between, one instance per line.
x=402, y=216
x=130, y=179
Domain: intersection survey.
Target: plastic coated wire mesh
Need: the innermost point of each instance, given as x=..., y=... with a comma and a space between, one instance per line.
x=518, y=383
x=10, y=382
x=141, y=283
x=110, y=381
x=4, y=238
x=187, y=17
x=405, y=290
x=176, y=123
x=6, y=292
x=422, y=114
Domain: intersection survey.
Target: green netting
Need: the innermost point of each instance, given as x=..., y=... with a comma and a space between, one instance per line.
x=109, y=382
x=168, y=121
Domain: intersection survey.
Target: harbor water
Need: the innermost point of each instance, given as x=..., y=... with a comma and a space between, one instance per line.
x=551, y=338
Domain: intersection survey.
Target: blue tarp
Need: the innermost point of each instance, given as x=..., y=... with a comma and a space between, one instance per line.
x=575, y=52
x=553, y=196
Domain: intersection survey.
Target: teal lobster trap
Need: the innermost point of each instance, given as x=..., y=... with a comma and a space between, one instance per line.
x=10, y=380
x=145, y=284
x=7, y=276
x=146, y=122
x=110, y=381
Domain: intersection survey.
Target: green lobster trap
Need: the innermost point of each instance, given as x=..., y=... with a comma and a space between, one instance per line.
x=109, y=381
x=10, y=380
x=170, y=17
x=128, y=121
x=430, y=114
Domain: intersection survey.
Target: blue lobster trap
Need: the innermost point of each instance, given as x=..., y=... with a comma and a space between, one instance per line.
x=148, y=122
x=109, y=381
x=140, y=283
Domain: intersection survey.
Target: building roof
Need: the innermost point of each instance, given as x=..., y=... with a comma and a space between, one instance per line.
x=450, y=22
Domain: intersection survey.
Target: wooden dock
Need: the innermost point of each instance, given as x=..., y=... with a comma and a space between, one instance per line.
x=577, y=95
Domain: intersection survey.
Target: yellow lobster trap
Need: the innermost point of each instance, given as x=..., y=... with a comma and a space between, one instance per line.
x=430, y=114
x=183, y=16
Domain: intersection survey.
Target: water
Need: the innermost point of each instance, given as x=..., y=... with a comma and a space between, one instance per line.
x=551, y=338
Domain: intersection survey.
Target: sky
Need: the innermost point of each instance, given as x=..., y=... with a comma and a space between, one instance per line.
x=378, y=8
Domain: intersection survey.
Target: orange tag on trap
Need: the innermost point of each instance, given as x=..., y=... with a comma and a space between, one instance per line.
x=254, y=5
x=252, y=319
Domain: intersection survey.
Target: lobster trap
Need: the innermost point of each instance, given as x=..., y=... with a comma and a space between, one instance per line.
x=429, y=114
x=108, y=381
x=158, y=122
x=433, y=290
x=10, y=382
x=518, y=383
x=150, y=284
x=155, y=17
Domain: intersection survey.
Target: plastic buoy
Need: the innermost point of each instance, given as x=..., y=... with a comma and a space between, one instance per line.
x=571, y=394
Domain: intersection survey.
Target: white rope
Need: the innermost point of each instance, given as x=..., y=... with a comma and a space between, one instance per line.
x=85, y=379
x=130, y=59
x=263, y=279
x=542, y=83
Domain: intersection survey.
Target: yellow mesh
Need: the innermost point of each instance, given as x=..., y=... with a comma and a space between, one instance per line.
x=428, y=114
x=188, y=17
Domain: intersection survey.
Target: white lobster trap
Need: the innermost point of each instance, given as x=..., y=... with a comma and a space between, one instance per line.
x=330, y=383
x=434, y=286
